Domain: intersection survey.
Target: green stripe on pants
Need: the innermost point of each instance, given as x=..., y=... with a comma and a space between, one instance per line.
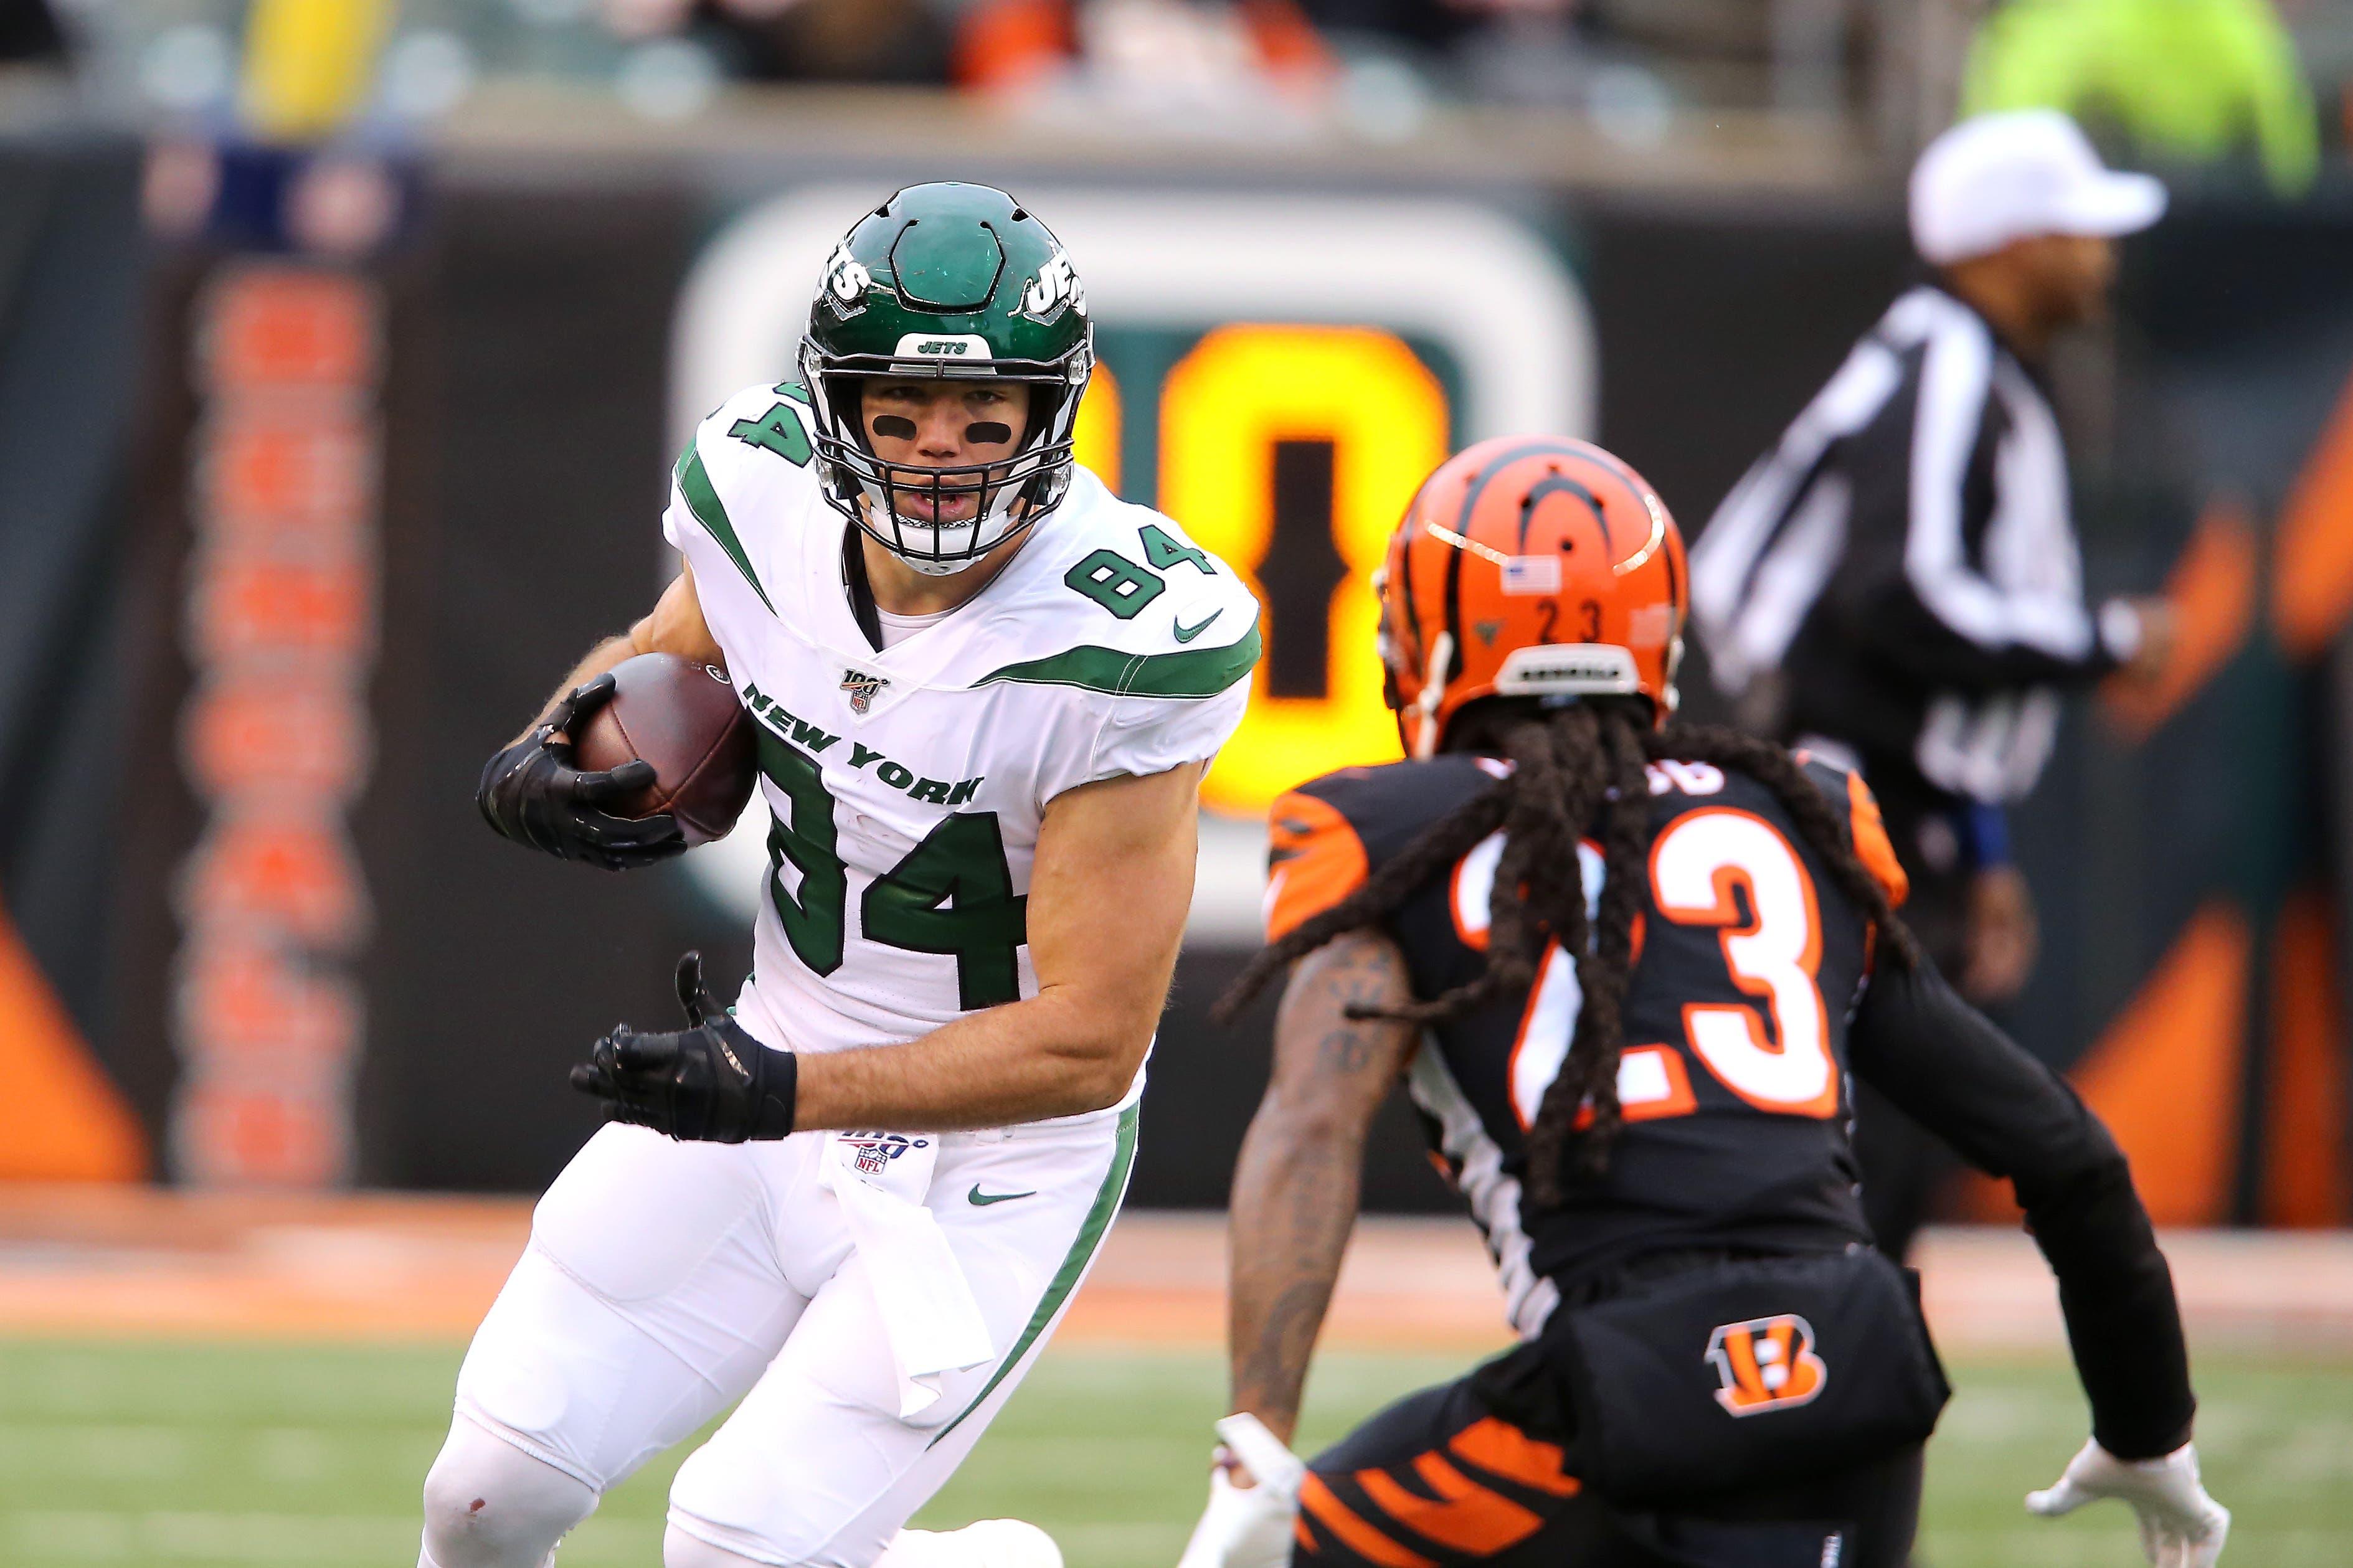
x=1074, y=1264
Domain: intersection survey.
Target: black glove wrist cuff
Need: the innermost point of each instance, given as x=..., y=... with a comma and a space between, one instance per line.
x=779, y=1093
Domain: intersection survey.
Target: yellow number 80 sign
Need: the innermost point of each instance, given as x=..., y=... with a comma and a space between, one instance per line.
x=1224, y=410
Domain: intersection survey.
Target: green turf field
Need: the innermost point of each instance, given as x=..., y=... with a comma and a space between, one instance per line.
x=154, y=1453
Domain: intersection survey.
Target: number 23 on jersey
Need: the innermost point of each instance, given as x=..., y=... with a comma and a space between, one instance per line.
x=1773, y=1051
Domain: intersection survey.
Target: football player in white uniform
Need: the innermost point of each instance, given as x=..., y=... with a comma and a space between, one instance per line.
x=985, y=690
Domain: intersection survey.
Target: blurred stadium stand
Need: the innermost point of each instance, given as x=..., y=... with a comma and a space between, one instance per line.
x=338, y=382
x=2247, y=76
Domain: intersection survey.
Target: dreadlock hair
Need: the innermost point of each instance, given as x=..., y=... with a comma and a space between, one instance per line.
x=1575, y=769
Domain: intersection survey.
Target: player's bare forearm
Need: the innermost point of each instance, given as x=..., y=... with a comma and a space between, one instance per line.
x=1295, y=1184
x=1108, y=896
x=676, y=626
x=1294, y=1204
x=1025, y=1061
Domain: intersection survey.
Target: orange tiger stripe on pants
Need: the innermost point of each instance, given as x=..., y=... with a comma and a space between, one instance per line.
x=1464, y=1517
x=1317, y=1500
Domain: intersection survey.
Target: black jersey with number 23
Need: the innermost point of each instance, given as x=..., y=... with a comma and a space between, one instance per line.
x=1749, y=961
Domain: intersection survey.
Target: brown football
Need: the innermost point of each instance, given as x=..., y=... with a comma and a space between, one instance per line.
x=683, y=718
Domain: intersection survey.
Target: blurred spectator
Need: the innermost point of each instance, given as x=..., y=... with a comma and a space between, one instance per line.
x=1143, y=55
x=1006, y=46
x=1441, y=25
x=29, y=33
x=1613, y=58
x=2189, y=80
x=1532, y=52
x=900, y=41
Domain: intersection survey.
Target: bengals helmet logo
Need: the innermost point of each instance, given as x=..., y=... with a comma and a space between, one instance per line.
x=1766, y=1364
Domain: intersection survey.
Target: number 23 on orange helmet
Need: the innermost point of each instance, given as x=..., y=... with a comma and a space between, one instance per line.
x=1530, y=566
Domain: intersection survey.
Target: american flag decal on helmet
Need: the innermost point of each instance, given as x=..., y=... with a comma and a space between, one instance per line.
x=862, y=689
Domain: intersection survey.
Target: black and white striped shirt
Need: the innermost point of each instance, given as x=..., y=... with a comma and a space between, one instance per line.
x=1901, y=573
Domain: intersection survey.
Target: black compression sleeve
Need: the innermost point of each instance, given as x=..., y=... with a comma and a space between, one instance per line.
x=1943, y=1062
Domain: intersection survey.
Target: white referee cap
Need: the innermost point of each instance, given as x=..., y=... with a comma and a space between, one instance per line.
x=2000, y=177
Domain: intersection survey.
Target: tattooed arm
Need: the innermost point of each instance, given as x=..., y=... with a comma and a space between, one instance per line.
x=1295, y=1198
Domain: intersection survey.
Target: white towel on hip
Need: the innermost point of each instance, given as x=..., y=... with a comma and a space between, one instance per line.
x=929, y=1313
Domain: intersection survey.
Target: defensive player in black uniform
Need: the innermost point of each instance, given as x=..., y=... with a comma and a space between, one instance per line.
x=1625, y=968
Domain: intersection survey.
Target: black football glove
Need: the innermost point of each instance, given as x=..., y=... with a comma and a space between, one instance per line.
x=710, y=1082
x=532, y=793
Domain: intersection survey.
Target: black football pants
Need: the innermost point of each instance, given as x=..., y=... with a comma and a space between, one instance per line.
x=1443, y=1477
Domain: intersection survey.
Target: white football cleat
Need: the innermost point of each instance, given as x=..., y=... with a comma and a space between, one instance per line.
x=987, y=1544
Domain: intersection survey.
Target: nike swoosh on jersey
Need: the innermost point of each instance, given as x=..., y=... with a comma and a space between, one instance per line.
x=979, y=1198
x=1186, y=634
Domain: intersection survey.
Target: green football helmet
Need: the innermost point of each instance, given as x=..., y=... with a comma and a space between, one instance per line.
x=955, y=281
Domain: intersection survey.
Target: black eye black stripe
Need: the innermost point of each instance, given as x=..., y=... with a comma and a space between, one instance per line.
x=985, y=433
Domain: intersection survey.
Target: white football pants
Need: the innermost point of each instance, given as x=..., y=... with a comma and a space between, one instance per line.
x=665, y=1281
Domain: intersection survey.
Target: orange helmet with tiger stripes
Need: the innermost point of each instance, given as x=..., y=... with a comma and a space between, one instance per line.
x=1530, y=566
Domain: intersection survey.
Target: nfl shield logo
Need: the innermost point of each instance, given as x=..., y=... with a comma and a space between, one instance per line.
x=861, y=687
x=875, y=1151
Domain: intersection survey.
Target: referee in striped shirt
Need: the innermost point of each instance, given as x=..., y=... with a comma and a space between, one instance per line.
x=1896, y=586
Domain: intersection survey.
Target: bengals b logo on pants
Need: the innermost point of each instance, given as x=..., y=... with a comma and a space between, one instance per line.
x=1766, y=1364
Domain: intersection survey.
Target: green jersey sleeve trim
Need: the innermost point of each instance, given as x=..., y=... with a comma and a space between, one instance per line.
x=702, y=501
x=1203, y=672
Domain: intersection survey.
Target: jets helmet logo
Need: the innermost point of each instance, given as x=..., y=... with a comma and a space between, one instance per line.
x=1056, y=282
x=846, y=280
x=1765, y=1364
x=862, y=689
